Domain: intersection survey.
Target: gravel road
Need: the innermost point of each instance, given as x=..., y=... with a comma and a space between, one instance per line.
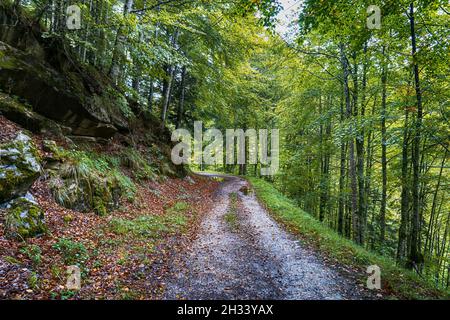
x=252, y=258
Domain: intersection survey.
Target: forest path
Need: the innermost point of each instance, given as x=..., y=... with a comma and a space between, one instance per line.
x=242, y=253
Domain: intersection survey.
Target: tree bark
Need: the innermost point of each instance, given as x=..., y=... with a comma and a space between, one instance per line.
x=182, y=97
x=414, y=255
x=352, y=165
x=114, y=70
x=383, y=151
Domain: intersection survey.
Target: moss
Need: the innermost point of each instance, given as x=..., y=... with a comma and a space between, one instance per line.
x=8, y=103
x=7, y=61
x=19, y=167
x=24, y=219
x=99, y=206
x=138, y=163
x=56, y=151
x=88, y=181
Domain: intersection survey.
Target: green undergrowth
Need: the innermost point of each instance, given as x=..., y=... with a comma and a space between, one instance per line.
x=93, y=181
x=72, y=252
x=398, y=282
x=152, y=226
x=231, y=217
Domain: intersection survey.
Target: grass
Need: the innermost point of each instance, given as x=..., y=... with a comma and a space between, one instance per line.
x=72, y=252
x=152, y=226
x=397, y=282
x=231, y=217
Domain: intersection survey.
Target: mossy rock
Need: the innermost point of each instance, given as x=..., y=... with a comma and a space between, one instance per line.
x=19, y=167
x=93, y=193
x=68, y=100
x=24, y=219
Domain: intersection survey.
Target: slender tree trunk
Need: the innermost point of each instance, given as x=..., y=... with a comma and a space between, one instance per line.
x=414, y=255
x=150, y=96
x=118, y=50
x=341, y=199
x=182, y=97
x=403, y=230
x=428, y=241
x=168, y=83
x=383, y=151
x=360, y=139
x=322, y=169
x=352, y=164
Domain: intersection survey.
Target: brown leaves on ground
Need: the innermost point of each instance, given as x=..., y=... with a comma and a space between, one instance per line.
x=9, y=130
x=120, y=266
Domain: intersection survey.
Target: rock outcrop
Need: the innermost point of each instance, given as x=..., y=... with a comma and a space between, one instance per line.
x=19, y=167
x=24, y=218
x=42, y=71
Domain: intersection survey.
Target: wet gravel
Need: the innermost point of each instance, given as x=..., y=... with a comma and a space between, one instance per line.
x=255, y=260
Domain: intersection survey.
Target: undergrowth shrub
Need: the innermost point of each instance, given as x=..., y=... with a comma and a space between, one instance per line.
x=72, y=252
x=140, y=166
x=87, y=181
x=34, y=253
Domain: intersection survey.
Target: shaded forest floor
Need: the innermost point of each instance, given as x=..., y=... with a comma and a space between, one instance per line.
x=126, y=254
x=123, y=255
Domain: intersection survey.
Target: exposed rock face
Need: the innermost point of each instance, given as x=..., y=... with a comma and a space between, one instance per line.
x=63, y=98
x=19, y=167
x=24, y=218
x=27, y=118
x=86, y=192
x=42, y=71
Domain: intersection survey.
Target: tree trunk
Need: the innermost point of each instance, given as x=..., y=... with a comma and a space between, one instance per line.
x=352, y=165
x=114, y=70
x=182, y=97
x=414, y=255
x=341, y=199
x=403, y=230
x=168, y=84
x=383, y=151
x=360, y=152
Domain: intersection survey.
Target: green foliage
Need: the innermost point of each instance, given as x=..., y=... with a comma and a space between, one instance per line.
x=152, y=226
x=33, y=281
x=139, y=165
x=34, y=253
x=231, y=217
x=72, y=252
x=64, y=295
x=11, y=260
x=178, y=207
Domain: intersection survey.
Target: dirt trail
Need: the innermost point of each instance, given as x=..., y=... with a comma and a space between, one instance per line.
x=252, y=258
